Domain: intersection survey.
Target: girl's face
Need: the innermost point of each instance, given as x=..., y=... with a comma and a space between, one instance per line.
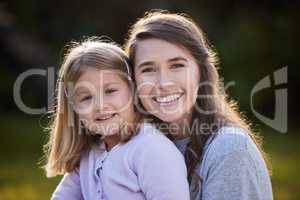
x=103, y=101
x=167, y=78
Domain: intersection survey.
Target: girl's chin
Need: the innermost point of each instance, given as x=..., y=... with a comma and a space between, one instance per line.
x=104, y=130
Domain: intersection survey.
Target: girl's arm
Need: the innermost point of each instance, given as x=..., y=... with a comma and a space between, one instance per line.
x=161, y=169
x=68, y=188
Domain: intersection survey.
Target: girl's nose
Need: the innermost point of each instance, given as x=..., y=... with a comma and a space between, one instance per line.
x=99, y=103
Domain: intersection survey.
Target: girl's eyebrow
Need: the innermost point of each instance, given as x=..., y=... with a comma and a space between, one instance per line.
x=111, y=83
x=81, y=91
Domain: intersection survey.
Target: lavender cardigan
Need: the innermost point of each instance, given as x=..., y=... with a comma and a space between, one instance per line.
x=148, y=166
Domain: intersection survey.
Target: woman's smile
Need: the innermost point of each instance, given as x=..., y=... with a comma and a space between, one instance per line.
x=167, y=78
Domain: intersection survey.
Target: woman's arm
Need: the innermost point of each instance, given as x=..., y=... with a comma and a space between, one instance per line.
x=68, y=188
x=232, y=177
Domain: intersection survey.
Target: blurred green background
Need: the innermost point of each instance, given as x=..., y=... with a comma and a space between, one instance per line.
x=253, y=39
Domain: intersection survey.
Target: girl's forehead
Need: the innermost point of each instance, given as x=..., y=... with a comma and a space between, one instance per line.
x=100, y=77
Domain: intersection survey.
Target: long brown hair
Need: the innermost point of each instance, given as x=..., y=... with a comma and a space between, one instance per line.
x=181, y=30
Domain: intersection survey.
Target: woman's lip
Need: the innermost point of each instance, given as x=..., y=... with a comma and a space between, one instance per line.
x=167, y=99
x=158, y=94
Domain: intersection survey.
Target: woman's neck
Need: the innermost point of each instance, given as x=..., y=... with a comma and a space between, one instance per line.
x=180, y=128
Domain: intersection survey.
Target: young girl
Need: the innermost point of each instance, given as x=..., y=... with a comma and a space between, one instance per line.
x=178, y=83
x=99, y=141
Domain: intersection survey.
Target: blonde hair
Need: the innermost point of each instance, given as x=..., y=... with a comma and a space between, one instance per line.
x=66, y=142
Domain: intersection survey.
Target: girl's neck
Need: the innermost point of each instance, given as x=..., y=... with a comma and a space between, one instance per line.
x=111, y=141
x=131, y=126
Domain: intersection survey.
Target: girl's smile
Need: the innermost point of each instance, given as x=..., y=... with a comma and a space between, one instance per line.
x=105, y=101
x=104, y=117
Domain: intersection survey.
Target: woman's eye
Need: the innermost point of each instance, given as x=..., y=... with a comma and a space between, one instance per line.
x=109, y=91
x=174, y=66
x=148, y=69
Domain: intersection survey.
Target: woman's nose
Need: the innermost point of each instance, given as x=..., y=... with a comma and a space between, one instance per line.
x=164, y=79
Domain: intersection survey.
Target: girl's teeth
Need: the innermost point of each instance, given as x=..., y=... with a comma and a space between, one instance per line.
x=105, y=117
x=167, y=99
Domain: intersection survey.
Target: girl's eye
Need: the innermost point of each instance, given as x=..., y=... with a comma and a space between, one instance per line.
x=110, y=91
x=178, y=65
x=147, y=70
x=85, y=98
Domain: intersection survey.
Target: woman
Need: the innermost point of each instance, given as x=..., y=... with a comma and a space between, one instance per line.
x=178, y=84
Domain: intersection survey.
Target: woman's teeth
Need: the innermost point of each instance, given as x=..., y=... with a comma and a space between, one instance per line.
x=167, y=99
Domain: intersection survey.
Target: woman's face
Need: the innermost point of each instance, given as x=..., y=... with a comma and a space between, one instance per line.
x=167, y=78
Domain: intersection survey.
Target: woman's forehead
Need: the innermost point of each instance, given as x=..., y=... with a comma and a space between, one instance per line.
x=157, y=49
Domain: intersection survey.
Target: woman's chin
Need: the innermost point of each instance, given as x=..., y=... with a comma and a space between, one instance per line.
x=170, y=118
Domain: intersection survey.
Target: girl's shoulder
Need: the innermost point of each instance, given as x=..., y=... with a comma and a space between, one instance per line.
x=150, y=146
x=92, y=155
x=150, y=139
x=148, y=133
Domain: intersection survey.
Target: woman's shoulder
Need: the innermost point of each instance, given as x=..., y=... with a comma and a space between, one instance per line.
x=227, y=140
x=227, y=146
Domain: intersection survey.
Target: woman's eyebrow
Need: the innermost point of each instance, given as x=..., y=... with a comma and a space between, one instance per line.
x=145, y=64
x=179, y=58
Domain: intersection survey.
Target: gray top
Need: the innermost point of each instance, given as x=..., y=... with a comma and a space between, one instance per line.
x=232, y=168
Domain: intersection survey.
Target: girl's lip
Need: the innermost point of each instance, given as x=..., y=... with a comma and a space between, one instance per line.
x=106, y=117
